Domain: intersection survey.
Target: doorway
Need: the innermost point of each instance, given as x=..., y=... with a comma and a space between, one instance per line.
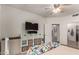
x=55, y=34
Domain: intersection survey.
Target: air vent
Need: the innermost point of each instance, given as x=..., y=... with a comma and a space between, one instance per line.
x=74, y=15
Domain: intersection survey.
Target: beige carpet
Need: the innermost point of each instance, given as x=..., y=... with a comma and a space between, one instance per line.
x=62, y=50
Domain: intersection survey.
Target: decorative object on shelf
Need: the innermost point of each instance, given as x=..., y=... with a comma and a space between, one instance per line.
x=24, y=42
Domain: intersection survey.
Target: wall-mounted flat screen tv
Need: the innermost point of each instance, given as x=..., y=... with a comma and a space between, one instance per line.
x=31, y=26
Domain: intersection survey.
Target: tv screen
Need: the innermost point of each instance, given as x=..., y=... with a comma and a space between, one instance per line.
x=35, y=26
x=28, y=25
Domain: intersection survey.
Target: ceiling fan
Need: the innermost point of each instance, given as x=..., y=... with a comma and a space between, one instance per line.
x=56, y=8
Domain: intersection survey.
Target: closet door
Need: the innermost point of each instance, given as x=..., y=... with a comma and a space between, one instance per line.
x=71, y=36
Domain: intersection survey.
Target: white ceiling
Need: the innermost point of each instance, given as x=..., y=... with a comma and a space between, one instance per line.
x=40, y=9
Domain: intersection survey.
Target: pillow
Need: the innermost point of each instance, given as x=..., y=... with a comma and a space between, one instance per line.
x=29, y=50
x=45, y=48
x=35, y=47
x=35, y=50
x=33, y=53
x=38, y=51
x=49, y=45
x=55, y=44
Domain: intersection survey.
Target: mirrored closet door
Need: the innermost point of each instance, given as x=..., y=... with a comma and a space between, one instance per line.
x=73, y=35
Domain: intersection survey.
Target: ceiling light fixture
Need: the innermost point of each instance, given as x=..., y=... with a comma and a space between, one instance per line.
x=55, y=8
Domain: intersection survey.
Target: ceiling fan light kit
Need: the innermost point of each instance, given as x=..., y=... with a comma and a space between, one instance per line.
x=56, y=8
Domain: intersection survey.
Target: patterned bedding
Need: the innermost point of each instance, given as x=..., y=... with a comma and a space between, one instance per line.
x=40, y=49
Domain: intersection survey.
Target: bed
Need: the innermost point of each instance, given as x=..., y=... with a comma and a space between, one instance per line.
x=41, y=49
